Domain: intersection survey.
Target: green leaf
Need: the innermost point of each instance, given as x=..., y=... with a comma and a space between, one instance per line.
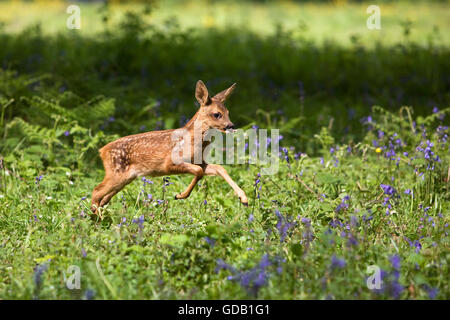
x=326, y=178
x=297, y=249
x=175, y=240
x=44, y=259
x=416, y=258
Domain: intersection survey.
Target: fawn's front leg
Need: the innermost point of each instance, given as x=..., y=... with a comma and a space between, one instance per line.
x=215, y=169
x=194, y=169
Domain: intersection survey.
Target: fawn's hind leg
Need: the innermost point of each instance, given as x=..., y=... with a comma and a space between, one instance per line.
x=107, y=189
x=98, y=193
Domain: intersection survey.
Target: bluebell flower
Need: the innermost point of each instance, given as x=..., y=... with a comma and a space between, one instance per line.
x=283, y=225
x=396, y=289
x=354, y=221
x=265, y=262
x=306, y=221
x=343, y=205
x=146, y=181
x=251, y=280
x=139, y=221
x=432, y=292
x=337, y=263
x=223, y=265
x=335, y=223
x=286, y=154
x=395, y=261
x=38, y=179
x=366, y=218
x=38, y=272
x=210, y=241
x=89, y=294
x=352, y=241
x=389, y=190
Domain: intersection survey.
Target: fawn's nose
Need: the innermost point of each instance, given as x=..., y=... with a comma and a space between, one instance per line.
x=230, y=126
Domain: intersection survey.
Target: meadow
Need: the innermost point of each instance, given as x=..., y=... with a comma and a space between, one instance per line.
x=364, y=172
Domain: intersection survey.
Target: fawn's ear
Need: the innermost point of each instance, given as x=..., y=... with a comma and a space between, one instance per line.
x=222, y=96
x=201, y=94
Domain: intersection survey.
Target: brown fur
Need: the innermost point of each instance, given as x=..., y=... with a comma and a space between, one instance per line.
x=150, y=153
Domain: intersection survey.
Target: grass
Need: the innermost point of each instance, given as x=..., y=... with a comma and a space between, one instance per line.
x=357, y=185
x=152, y=249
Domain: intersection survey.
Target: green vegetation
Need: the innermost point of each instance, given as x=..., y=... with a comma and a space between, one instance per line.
x=357, y=186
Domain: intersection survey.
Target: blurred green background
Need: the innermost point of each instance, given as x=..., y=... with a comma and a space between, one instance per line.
x=319, y=21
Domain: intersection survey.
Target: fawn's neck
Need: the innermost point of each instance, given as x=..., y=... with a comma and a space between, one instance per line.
x=196, y=124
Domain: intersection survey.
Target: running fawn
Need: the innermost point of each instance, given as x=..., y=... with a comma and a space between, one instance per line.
x=152, y=153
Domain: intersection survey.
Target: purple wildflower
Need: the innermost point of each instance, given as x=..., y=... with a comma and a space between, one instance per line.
x=286, y=154
x=432, y=292
x=146, y=181
x=89, y=294
x=389, y=190
x=139, y=221
x=395, y=262
x=210, y=241
x=283, y=225
x=38, y=179
x=337, y=263
x=38, y=272
x=343, y=205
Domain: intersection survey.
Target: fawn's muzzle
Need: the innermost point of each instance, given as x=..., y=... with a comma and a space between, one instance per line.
x=229, y=128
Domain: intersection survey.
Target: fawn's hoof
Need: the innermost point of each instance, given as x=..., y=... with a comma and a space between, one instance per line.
x=244, y=201
x=95, y=213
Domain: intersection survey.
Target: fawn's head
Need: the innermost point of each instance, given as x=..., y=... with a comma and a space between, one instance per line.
x=212, y=112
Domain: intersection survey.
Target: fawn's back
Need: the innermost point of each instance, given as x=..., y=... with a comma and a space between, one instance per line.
x=140, y=154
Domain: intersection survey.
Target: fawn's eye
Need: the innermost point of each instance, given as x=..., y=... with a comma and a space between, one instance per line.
x=217, y=115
